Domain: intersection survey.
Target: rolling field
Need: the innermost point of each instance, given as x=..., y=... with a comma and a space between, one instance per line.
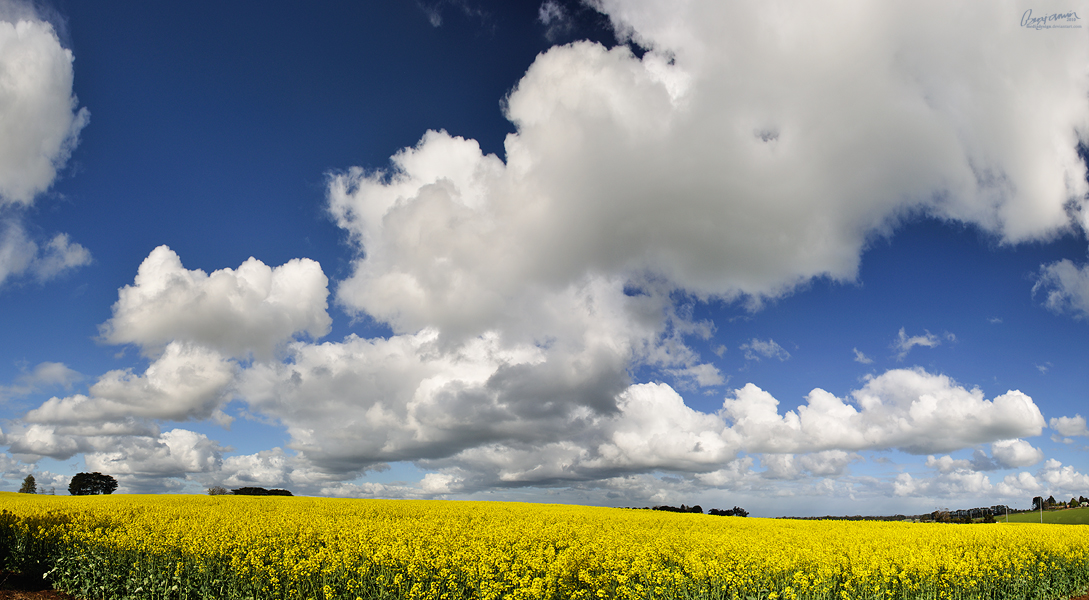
x=300, y=548
x=1071, y=516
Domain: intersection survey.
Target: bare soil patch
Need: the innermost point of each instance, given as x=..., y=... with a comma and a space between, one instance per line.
x=16, y=586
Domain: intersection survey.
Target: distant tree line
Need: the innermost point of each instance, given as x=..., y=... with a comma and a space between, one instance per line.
x=259, y=491
x=219, y=490
x=679, y=509
x=736, y=511
x=855, y=518
x=1052, y=504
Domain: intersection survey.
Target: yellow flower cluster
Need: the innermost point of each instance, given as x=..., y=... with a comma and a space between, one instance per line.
x=315, y=548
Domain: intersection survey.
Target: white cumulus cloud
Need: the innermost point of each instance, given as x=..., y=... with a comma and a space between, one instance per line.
x=685, y=169
x=42, y=376
x=253, y=309
x=185, y=382
x=20, y=255
x=1063, y=479
x=1053, y=478
x=909, y=410
x=747, y=152
x=1010, y=454
x=174, y=453
x=39, y=126
x=952, y=484
x=39, y=122
x=1069, y=426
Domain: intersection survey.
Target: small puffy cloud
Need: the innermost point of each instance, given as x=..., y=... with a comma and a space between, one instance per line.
x=829, y=463
x=1010, y=454
x=36, y=440
x=1018, y=485
x=254, y=309
x=21, y=256
x=174, y=453
x=947, y=464
x=185, y=382
x=861, y=358
x=703, y=375
x=43, y=376
x=905, y=343
x=52, y=374
x=1054, y=478
x=655, y=429
x=59, y=255
x=39, y=121
x=267, y=468
x=1065, y=288
x=909, y=410
x=1062, y=479
x=952, y=484
x=755, y=349
x=384, y=490
x=1069, y=426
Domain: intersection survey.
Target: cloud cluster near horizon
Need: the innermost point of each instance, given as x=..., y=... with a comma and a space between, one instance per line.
x=744, y=154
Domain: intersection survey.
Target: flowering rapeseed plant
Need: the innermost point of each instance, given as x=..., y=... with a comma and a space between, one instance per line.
x=320, y=548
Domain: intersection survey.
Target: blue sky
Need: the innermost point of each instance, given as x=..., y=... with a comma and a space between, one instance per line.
x=804, y=259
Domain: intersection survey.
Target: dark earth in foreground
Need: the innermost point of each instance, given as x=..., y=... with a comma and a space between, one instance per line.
x=15, y=586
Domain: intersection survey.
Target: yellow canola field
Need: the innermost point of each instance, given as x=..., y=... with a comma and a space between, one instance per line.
x=301, y=548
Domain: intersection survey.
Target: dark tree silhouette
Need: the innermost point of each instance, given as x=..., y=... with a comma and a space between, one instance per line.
x=683, y=509
x=88, y=484
x=736, y=511
x=29, y=486
x=259, y=491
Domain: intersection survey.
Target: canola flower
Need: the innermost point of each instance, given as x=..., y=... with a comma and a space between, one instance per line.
x=317, y=548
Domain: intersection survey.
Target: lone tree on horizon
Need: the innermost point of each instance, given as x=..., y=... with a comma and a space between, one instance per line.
x=29, y=486
x=87, y=484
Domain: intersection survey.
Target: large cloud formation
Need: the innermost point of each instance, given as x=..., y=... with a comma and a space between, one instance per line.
x=747, y=151
x=198, y=329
